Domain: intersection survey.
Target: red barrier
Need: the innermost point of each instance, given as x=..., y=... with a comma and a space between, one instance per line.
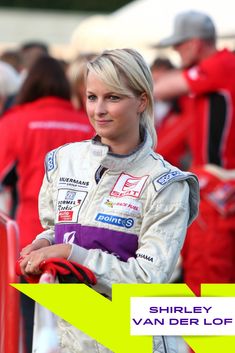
x=9, y=296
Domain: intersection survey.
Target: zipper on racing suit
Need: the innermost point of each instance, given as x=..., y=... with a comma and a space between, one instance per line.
x=160, y=345
x=164, y=345
x=99, y=172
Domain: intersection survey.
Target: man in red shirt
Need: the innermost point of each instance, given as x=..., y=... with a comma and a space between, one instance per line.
x=171, y=121
x=208, y=78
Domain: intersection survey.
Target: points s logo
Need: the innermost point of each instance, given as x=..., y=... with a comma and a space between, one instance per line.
x=115, y=220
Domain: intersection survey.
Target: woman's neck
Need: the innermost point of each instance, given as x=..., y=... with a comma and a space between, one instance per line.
x=122, y=148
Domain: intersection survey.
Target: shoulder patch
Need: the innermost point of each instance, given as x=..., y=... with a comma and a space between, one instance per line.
x=50, y=160
x=166, y=178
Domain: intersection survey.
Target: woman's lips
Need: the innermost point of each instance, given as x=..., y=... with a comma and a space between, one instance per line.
x=103, y=122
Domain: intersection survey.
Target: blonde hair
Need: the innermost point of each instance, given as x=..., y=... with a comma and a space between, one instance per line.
x=125, y=70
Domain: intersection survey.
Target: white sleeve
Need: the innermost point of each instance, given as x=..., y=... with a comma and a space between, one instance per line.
x=160, y=241
x=46, y=211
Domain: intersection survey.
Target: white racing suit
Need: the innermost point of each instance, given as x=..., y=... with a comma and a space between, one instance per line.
x=126, y=217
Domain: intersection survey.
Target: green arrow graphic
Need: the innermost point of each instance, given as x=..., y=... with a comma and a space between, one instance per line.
x=109, y=321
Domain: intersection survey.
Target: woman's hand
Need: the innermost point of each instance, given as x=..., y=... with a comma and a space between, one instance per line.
x=31, y=261
x=37, y=244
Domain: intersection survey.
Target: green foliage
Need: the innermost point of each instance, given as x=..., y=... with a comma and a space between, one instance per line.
x=69, y=5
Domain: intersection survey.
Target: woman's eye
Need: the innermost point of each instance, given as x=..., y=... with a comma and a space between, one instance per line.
x=114, y=98
x=91, y=97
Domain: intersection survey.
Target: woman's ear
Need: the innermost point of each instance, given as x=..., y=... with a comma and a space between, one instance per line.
x=143, y=101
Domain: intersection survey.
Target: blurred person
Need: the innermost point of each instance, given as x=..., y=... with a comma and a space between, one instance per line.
x=13, y=58
x=133, y=207
x=76, y=75
x=172, y=125
x=10, y=83
x=29, y=52
x=42, y=119
x=159, y=67
x=208, y=78
x=171, y=120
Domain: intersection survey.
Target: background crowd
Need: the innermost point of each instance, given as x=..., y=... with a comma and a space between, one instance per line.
x=42, y=106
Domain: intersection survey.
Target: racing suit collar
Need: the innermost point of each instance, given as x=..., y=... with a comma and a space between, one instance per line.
x=117, y=162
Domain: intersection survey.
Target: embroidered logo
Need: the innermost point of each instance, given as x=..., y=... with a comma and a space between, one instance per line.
x=50, y=161
x=167, y=177
x=145, y=257
x=125, y=205
x=67, y=181
x=115, y=220
x=65, y=216
x=69, y=203
x=128, y=185
x=69, y=237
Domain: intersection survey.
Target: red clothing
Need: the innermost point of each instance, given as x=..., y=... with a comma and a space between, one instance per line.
x=28, y=132
x=172, y=134
x=212, y=83
x=209, y=249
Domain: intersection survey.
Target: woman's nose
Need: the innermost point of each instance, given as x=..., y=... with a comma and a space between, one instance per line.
x=100, y=108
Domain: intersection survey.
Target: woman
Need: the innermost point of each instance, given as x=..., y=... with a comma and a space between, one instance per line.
x=111, y=203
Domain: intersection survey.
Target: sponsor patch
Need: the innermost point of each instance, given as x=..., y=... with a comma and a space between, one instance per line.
x=67, y=181
x=164, y=179
x=115, y=220
x=70, y=195
x=69, y=237
x=65, y=216
x=128, y=185
x=127, y=206
x=145, y=257
x=69, y=203
x=50, y=161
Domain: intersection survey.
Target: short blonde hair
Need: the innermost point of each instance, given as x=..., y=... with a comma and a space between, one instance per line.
x=125, y=70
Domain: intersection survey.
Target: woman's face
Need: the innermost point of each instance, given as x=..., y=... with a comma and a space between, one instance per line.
x=114, y=117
